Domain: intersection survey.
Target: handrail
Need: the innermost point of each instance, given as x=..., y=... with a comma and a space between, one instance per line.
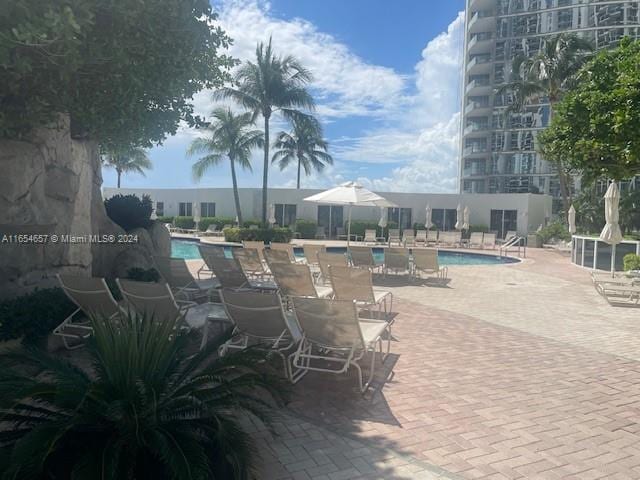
x=515, y=241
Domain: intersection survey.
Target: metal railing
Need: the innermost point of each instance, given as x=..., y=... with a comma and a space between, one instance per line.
x=514, y=242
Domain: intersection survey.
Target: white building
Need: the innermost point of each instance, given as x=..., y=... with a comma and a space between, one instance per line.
x=498, y=154
x=500, y=213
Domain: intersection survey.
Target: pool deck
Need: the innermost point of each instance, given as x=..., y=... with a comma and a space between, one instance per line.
x=509, y=371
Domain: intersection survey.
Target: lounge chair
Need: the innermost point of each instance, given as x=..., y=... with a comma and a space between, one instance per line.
x=333, y=333
x=285, y=247
x=311, y=255
x=260, y=320
x=183, y=284
x=258, y=245
x=432, y=237
x=394, y=236
x=321, y=232
x=450, y=239
x=489, y=241
x=426, y=261
x=408, y=238
x=341, y=233
x=362, y=257
x=92, y=296
x=476, y=240
x=355, y=284
x=231, y=275
x=156, y=300
x=396, y=260
x=627, y=294
x=212, y=231
x=206, y=251
x=249, y=260
x=276, y=256
x=370, y=236
x=325, y=260
x=295, y=280
x=421, y=238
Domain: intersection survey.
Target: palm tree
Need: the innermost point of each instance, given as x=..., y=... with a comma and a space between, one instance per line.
x=269, y=85
x=127, y=160
x=229, y=136
x=304, y=145
x=549, y=73
x=139, y=406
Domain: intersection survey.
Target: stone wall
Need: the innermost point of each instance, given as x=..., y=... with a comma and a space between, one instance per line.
x=50, y=184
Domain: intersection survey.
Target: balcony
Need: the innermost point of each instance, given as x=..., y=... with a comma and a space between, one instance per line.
x=479, y=64
x=482, y=20
x=476, y=128
x=479, y=43
x=474, y=150
x=477, y=86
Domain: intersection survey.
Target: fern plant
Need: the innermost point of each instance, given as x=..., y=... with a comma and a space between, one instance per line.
x=141, y=408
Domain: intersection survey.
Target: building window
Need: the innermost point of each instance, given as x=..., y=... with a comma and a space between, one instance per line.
x=185, y=209
x=160, y=209
x=444, y=218
x=503, y=221
x=401, y=217
x=285, y=214
x=207, y=209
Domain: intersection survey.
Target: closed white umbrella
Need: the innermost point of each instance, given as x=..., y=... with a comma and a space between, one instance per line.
x=383, y=217
x=572, y=220
x=611, y=233
x=196, y=215
x=459, y=218
x=272, y=215
x=427, y=221
x=350, y=194
x=465, y=218
x=237, y=221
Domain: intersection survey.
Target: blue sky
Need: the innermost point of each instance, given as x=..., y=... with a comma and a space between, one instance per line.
x=386, y=84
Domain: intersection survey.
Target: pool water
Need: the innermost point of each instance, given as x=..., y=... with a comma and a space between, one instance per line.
x=189, y=251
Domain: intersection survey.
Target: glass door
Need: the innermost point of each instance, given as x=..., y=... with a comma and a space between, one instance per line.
x=503, y=221
x=330, y=217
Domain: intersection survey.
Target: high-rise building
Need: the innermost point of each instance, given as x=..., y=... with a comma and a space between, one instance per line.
x=498, y=151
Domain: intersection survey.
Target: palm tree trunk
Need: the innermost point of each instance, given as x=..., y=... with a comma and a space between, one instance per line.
x=119, y=172
x=265, y=173
x=299, y=164
x=236, y=195
x=563, y=176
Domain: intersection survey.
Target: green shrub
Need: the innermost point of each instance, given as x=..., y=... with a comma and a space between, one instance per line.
x=218, y=221
x=35, y=315
x=184, y=222
x=554, y=231
x=306, y=228
x=478, y=228
x=165, y=219
x=267, y=235
x=143, y=275
x=142, y=406
x=129, y=211
x=631, y=262
x=248, y=223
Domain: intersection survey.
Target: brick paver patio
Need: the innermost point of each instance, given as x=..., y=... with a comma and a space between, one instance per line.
x=518, y=371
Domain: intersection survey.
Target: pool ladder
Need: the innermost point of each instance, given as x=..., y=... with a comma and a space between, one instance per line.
x=514, y=242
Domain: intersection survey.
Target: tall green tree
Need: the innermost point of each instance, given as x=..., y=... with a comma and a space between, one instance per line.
x=268, y=85
x=124, y=71
x=127, y=160
x=549, y=73
x=595, y=128
x=230, y=136
x=304, y=145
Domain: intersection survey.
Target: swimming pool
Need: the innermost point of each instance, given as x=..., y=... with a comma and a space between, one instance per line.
x=188, y=249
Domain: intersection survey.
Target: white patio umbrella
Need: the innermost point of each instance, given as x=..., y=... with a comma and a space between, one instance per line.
x=237, y=220
x=611, y=233
x=196, y=215
x=572, y=220
x=350, y=194
x=272, y=215
x=427, y=221
x=465, y=218
x=383, y=220
x=459, y=219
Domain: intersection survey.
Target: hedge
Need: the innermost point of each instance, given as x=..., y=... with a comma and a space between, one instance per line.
x=165, y=219
x=267, y=235
x=306, y=228
x=183, y=222
x=631, y=262
x=218, y=221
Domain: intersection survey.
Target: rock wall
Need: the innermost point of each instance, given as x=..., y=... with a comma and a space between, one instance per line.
x=50, y=185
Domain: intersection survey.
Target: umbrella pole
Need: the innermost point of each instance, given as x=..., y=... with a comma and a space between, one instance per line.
x=349, y=226
x=613, y=260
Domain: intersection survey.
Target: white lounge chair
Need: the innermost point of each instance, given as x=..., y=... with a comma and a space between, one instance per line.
x=370, y=236
x=230, y=274
x=397, y=261
x=620, y=294
x=394, y=236
x=212, y=231
x=432, y=237
x=408, y=238
x=251, y=263
x=92, y=296
x=260, y=320
x=476, y=240
x=326, y=260
x=489, y=241
x=321, y=232
x=294, y=280
x=362, y=257
x=356, y=284
x=333, y=334
x=184, y=285
x=426, y=261
x=156, y=301
x=421, y=237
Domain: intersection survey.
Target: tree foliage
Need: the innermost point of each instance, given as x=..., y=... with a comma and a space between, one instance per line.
x=595, y=126
x=123, y=70
x=125, y=160
x=303, y=145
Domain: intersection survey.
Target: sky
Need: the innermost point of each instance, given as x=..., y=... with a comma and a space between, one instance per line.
x=386, y=81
